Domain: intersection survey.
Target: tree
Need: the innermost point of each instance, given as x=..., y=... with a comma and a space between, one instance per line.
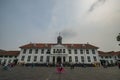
x=118, y=38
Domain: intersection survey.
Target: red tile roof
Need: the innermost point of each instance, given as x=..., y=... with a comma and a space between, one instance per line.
x=49, y=45
x=111, y=53
x=12, y=53
x=117, y=53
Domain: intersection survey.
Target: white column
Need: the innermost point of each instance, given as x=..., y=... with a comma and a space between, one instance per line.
x=50, y=59
x=61, y=59
x=55, y=59
x=66, y=59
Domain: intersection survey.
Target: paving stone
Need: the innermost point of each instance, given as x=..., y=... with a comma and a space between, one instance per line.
x=49, y=73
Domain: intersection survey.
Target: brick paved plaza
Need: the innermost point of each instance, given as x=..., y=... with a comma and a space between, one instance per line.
x=48, y=73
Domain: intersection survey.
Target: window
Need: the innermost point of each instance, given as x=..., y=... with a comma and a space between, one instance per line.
x=47, y=58
x=88, y=57
x=5, y=60
x=41, y=59
x=36, y=51
x=81, y=51
x=9, y=61
x=48, y=51
x=24, y=51
x=42, y=51
x=29, y=57
x=87, y=51
x=69, y=51
x=76, y=58
x=64, y=59
x=5, y=56
x=106, y=56
x=63, y=50
x=10, y=56
x=110, y=57
x=94, y=57
x=93, y=51
x=0, y=61
x=35, y=58
x=118, y=56
x=53, y=50
x=30, y=51
x=70, y=59
x=57, y=50
x=1, y=55
x=60, y=50
x=102, y=57
x=75, y=51
x=111, y=61
x=82, y=59
x=22, y=58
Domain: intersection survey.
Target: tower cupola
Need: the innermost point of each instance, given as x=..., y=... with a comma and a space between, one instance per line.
x=59, y=39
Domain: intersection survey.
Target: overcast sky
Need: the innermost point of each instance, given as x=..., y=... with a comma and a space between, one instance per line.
x=78, y=21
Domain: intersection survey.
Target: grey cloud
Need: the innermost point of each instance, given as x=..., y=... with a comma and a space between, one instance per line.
x=96, y=4
x=68, y=33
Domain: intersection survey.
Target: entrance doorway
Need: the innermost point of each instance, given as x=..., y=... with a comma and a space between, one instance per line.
x=64, y=59
x=53, y=59
x=58, y=59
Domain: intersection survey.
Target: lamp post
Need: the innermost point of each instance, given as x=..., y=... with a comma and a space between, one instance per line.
x=118, y=38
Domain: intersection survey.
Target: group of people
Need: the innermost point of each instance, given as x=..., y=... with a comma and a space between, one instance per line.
x=8, y=66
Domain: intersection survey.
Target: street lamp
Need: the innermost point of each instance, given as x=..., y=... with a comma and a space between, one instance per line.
x=118, y=38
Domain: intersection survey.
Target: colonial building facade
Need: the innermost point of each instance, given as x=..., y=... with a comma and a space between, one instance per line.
x=110, y=57
x=8, y=56
x=58, y=53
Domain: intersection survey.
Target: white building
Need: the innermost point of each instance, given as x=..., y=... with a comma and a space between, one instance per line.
x=110, y=57
x=8, y=56
x=58, y=53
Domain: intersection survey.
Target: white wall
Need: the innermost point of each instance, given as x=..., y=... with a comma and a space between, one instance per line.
x=58, y=47
x=7, y=59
